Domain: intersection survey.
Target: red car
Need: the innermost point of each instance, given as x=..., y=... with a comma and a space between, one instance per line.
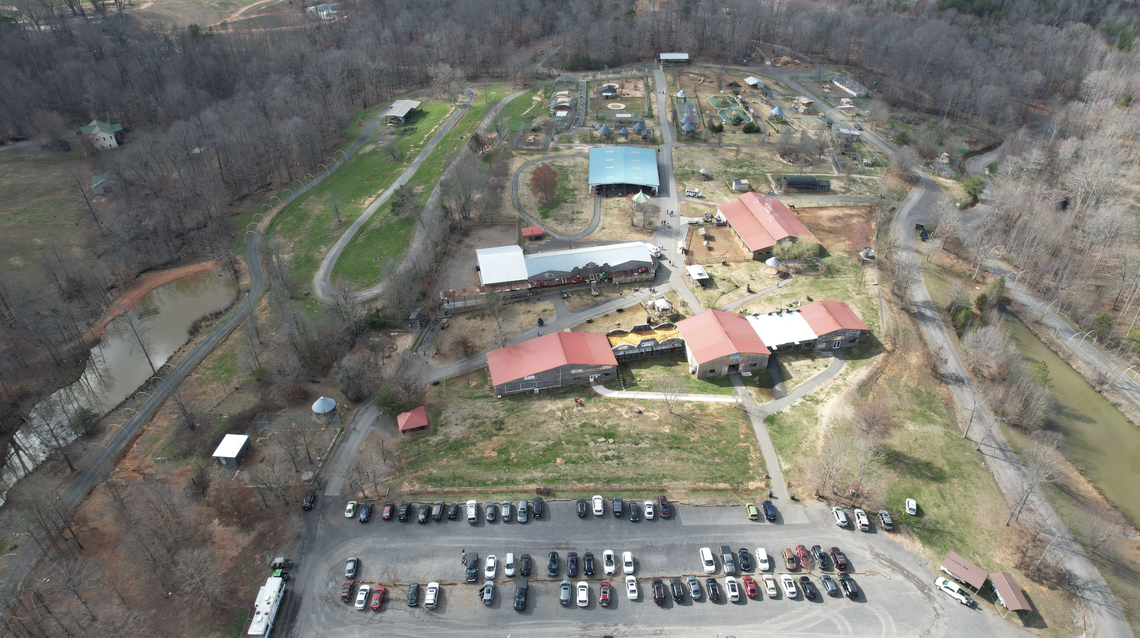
x=377, y=598
x=750, y=588
x=604, y=594
x=388, y=509
x=804, y=555
x=347, y=590
x=663, y=509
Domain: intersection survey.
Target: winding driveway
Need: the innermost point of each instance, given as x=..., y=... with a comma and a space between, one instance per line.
x=518, y=205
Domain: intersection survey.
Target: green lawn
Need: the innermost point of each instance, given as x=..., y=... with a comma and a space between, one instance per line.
x=643, y=375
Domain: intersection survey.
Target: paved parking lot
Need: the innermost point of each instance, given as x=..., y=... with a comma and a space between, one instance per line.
x=897, y=597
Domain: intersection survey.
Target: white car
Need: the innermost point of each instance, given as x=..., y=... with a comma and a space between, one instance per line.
x=648, y=510
x=627, y=563
x=509, y=565
x=583, y=593
x=762, y=560
x=788, y=584
x=431, y=596
x=770, y=586
x=861, y=520
x=472, y=512
x=492, y=566
x=953, y=590
x=362, y=597
x=599, y=505
x=911, y=507
x=631, y=587
x=708, y=561
x=839, y=515
x=609, y=563
x=732, y=587
x=350, y=510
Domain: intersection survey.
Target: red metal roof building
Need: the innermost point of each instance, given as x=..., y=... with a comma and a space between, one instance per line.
x=551, y=361
x=761, y=223
x=412, y=420
x=718, y=343
x=826, y=317
x=532, y=232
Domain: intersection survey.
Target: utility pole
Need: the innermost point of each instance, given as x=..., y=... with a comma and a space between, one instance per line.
x=972, y=410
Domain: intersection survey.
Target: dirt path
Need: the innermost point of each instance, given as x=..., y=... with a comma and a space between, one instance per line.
x=144, y=285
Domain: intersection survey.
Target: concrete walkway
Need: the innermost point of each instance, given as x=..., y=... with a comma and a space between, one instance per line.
x=660, y=396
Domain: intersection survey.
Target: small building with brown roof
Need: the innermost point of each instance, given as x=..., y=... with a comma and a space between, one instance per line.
x=834, y=324
x=532, y=232
x=761, y=223
x=412, y=421
x=719, y=343
x=551, y=361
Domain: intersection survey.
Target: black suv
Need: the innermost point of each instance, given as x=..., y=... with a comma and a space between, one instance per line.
x=539, y=507
x=850, y=589
x=365, y=512
x=413, y=594
x=472, y=567
x=425, y=510
x=634, y=512
x=552, y=565
x=404, y=512
x=520, y=595
x=452, y=511
x=588, y=564
x=677, y=589
x=769, y=511
x=572, y=564
x=617, y=507
x=524, y=565
x=658, y=591
x=310, y=499
x=581, y=508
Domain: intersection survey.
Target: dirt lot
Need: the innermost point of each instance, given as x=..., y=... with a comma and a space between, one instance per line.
x=483, y=330
x=615, y=222
x=721, y=239
x=724, y=165
x=460, y=271
x=832, y=225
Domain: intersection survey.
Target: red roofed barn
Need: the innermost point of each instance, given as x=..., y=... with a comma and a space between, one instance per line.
x=551, y=361
x=761, y=223
x=720, y=343
x=414, y=420
x=833, y=323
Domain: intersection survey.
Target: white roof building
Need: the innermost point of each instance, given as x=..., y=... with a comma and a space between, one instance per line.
x=778, y=331
x=232, y=450
x=674, y=57
x=754, y=81
x=500, y=264
x=400, y=109
x=697, y=272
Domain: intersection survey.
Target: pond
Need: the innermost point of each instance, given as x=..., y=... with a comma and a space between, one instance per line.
x=1098, y=438
x=728, y=114
x=723, y=101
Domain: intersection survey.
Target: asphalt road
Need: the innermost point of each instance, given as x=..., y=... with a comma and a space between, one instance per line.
x=897, y=597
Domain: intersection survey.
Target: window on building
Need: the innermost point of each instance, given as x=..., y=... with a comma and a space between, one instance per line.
x=734, y=356
x=528, y=377
x=577, y=378
x=752, y=365
x=836, y=345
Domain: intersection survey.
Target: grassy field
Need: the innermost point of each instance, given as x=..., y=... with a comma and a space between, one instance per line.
x=643, y=376
x=521, y=440
x=572, y=207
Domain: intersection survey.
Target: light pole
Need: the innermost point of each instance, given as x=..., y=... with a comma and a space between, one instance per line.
x=1042, y=317
x=972, y=410
x=1125, y=371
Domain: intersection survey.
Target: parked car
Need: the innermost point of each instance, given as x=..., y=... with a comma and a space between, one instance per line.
x=425, y=511
x=663, y=507
x=350, y=509
x=472, y=512
x=808, y=587
x=377, y=598
x=911, y=507
x=509, y=565
x=707, y=560
x=488, y=592
x=599, y=505
x=753, y=513
x=850, y=589
x=733, y=589
x=820, y=557
x=310, y=499
x=762, y=562
x=552, y=565
x=694, y=587
x=840, y=516
x=953, y=590
x=750, y=588
x=627, y=562
x=727, y=560
x=588, y=564
x=790, y=562
x=713, y=588
x=649, y=510
x=745, y=560
x=583, y=597
x=840, y=558
x=581, y=508
x=346, y=590
x=769, y=511
x=617, y=507
x=365, y=512
x=386, y=513
x=472, y=571
x=572, y=564
x=437, y=511
x=829, y=585
x=770, y=586
x=804, y=556
x=490, y=511
x=539, y=506
x=524, y=565
x=452, y=511
x=862, y=521
x=609, y=565
x=885, y=520
x=677, y=590
x=631, y=587
x=634, y=512
x=431, y=596
x=523, y=511
x=693, y=192
x=658, y=591
x=351, y=567
x=564, y=593
x=788, y=584
x=362, y=597
x=858, y=127
x=491, y=567
x=520, y=594
x=413, y=595
x=505, y=510
x=404, y=512
x=604, y=593
x=19, y=138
